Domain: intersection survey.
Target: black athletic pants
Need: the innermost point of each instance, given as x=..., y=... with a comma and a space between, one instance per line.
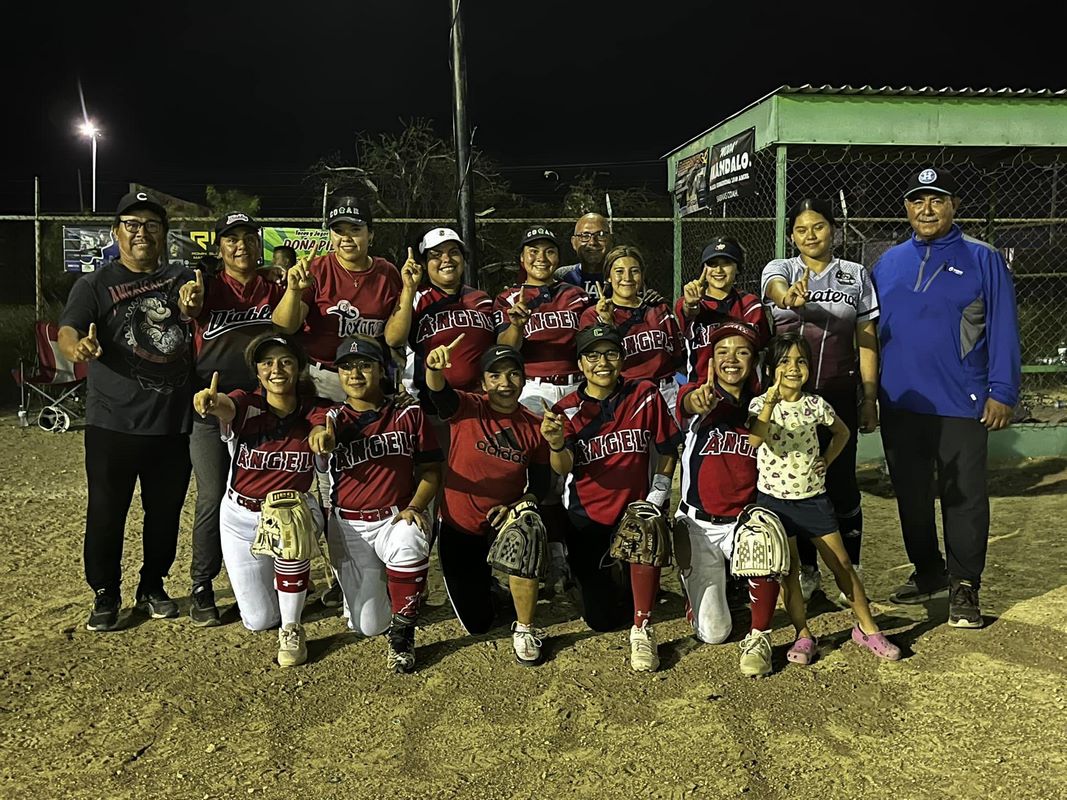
x=114, y=462
x=607, y=601
x=467, y=577
x=841, y=485
x=919, y=447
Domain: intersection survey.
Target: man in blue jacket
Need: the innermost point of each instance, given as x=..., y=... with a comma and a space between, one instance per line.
x=950, y=374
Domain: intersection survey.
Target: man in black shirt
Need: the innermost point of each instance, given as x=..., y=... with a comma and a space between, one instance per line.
x=124, y=319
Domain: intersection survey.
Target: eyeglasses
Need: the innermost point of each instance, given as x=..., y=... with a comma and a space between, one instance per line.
x=935, y=201
x=588, y=236
x=594, y=356
x=134, y=225
x=356, y=366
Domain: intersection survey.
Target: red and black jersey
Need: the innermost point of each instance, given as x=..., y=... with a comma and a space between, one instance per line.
x=742, y=306
x=233, y=315
x=555, y=318
x=344, y=303
x=438, y=318
x=651, y=340
x=718, y=463
x=492, y=460
x=613, y=441
x=269, y=452
x=373, y=465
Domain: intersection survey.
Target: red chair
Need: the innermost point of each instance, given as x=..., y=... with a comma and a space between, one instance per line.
x=56, y=380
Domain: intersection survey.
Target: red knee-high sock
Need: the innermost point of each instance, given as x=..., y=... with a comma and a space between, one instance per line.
x=291, y=581
x=406, y=584
x=763, y=593
x=644, y=581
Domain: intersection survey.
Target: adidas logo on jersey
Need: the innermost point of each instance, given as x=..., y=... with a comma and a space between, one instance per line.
x=504, y=446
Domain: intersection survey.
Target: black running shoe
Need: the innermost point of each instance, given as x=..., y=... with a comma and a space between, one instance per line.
x=963, y=609
x=912, y=593
x=105, y=613
x=203, y=611
x=401, y=638
x=156, y=603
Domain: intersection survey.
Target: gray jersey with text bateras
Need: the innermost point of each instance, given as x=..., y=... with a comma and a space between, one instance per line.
x=839, y=297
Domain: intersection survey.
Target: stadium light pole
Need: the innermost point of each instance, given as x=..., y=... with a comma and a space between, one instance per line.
x=88, y=128
x=461, y=131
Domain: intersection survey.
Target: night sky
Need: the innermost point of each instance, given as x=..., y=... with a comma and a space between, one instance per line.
x=196, y=93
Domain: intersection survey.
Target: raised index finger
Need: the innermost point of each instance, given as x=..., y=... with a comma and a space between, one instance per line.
x=214, y=383
x=329, y=425
x=92, y=331
x=199, y=279
x=455, y=341
x=313, y=251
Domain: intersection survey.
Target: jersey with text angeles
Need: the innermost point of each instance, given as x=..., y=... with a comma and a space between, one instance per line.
x=839, y=297
x=373, y=465
x=268, y=452
x=718, y=464
x=613, y=442
x=651, y=340
x=555, y=318
x=489, y=460
x=233, y=315
x=742, y=306
x=438, y=318
x=344, y=303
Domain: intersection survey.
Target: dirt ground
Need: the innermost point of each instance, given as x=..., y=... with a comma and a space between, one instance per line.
x=162, y=709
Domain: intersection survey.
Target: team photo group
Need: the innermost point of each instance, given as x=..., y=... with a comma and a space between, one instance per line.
x=336, y=404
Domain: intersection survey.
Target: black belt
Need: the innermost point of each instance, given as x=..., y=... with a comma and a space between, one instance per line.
x=697, y=514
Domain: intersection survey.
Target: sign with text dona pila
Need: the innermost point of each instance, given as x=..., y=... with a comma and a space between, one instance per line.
x=731, y=166
x=300, y=239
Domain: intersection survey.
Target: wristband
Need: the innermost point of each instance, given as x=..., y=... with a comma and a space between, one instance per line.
x=433, y=369
x=554, y=450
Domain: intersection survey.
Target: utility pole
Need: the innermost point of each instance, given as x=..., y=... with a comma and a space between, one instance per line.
x=461, y=131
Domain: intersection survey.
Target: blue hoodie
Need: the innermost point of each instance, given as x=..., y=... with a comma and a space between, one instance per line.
x=948, y=331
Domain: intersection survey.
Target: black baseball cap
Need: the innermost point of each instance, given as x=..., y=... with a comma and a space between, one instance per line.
x=355, y=347
x=723, y=247
x=140, y=199
x=598, y=333
x=346, y=208
x=501, y=352
x=234, y=219
x=538, y=232
x=929, y=179
x=263, y=341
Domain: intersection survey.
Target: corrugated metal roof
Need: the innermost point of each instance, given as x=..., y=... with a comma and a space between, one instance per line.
x=885, y=91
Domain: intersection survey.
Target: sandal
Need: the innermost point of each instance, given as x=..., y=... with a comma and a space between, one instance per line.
x=803, y=651
x=877, y=644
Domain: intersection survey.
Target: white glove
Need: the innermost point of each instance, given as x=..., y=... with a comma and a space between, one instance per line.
x=660, y=494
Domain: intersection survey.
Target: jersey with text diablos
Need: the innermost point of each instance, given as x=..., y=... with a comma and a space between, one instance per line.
x=373, y=465
x=233, y=315
x=438, y=318
x=344, y=303
x=651, y=340
x=718, y=464
x=555, y=318
x=488, y=460
x=268, y=452
x=839, y=297
x=613, y=442
x=742, y=306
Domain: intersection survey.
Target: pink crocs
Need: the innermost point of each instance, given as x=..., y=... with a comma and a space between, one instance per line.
x=803, y=651
x=877, y=644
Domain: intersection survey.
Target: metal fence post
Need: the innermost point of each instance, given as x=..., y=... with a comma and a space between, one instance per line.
x=780, y=161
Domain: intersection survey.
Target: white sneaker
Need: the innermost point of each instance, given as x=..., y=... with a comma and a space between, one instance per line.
x=643, y=652
x=756, y=654
x=292, y=646
x=841, y=599
x=810, y=580
x=527, y=643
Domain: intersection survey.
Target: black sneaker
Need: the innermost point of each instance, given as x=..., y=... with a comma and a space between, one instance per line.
x=963, y=610
x=203, y=611
x=401, y=638
x=910, y=593
x=105, y=613
x=333, y=597
x=156, y=603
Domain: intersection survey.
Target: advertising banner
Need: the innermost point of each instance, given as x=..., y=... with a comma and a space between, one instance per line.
x=690, y=183
x=730, y=168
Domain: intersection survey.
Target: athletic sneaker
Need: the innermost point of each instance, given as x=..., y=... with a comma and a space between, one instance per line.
x=910, y=593
x=401, y=638
x=202, y=610
x=963, y=608
x=332, y=597
x=105, y=613
x=156, y=603
x=810, y=580
x=643, y=652
x=527, y=643
x=292, y=645
x=756, y=654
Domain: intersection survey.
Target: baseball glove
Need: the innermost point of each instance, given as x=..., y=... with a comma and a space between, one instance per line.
x=642, y=536
x=521, y=546
x=761, y=547
x=286, y=528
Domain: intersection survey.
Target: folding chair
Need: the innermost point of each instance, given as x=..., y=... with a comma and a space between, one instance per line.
x=55, y=380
